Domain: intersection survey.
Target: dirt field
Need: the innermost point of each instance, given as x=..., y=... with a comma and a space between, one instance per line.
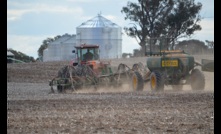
x=32, y=109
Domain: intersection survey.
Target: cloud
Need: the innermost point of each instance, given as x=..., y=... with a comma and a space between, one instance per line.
x=87, y=1
x=207, y=32
x=110, y=17
x=207, y=25
x=15, y=14
x=129, y=44
x=28, y=45
x=20, y=9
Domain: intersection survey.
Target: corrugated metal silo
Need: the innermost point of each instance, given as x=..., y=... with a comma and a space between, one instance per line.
x=54, y=49
x=60, y=49
x=102, y=32
x=67, y=46
x=46, y=55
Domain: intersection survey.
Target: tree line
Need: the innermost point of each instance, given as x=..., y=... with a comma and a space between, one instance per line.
x=192, y=47
x=21, y=56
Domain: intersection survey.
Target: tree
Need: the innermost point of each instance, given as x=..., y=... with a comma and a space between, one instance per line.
x=192, y=46
x=162, y=18
x=21, y=56
x=125, y=55
x=45, y=45
x=210, y=44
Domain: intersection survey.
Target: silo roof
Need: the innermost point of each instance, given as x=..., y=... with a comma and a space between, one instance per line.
x=98, y=21
x=62, y=39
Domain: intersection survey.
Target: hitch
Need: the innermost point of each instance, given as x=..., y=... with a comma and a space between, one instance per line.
x=207, y=65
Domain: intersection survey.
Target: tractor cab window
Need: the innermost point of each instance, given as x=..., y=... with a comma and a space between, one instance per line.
x=87, y=54
x=96, y=54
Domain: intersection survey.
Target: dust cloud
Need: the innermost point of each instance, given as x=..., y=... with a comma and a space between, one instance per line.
x=43, y=72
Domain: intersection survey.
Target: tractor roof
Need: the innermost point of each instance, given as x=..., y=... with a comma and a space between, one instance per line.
x=87, y=46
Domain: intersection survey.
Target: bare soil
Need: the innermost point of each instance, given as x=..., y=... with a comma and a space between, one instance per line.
x=31, y=108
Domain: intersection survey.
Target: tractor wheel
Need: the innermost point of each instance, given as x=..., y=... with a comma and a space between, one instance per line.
x=156, y=81
x=143, y=71
x=197, y=80
x=60, y=88
x=135, y=67
x=137, y=81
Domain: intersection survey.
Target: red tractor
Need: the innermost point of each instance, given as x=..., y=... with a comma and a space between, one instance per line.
x=89, y=55
x=87, y=70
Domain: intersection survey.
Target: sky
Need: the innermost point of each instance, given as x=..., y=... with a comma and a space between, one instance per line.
x=29, y=22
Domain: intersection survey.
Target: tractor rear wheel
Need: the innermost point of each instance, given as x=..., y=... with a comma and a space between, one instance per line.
x=137, y=81
x=156, y=81
x=197, y=80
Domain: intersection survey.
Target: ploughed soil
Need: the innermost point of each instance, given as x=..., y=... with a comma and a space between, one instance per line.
x=31, y=108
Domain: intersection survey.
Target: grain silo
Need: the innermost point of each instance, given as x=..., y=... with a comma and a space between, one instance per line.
x=45, y=55
x=67, y=46
x=60, y=49
x=104, y=33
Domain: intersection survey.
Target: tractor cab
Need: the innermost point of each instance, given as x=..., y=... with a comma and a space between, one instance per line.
x=85, y=54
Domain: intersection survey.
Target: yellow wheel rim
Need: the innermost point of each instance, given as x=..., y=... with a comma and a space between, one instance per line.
x=153, y=82
x=134, y=82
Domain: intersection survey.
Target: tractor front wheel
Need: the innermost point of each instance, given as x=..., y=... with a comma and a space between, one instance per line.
x=137, y=81
x=156, y=81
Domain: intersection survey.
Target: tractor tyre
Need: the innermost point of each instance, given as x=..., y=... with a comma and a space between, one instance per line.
x=197, y=80
x=135, y=67
x=137, y=81
x=156, y=81
x=60, y=88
